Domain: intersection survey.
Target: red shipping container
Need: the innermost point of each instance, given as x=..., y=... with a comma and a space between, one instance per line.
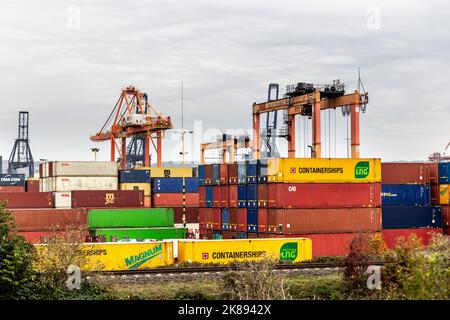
x=147, y=201
x=434, y=172
x=446, y=217
x=229, y=234
x=324, y=195
x=391, y=236
x=205, y=234
x=12, y=189
x=224, y=173
x=241, y=215
x=49, y=219
x=170, y=200
x=216, y=196
x=262, y=195
x=232, y=173
x=233, y=196
x=336, y=220
x=107, y=198
x=262, y=220
x=405, y=172
x=202, y=196
x=217, y=219
x=209, y=218
x=224, y=196
x=32, y=185
x=202, y=218
x=208, y=174
x=27, y=199
x=434, y=192
x=234, y=218
x=192, y=214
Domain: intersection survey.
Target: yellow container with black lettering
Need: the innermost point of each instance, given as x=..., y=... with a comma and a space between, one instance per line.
x=168, y=172
x=444, y=194
x=226, y=251
x=136, y=186
x=323, y=170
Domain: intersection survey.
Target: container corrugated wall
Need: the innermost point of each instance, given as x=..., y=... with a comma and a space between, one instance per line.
x=129, y=218
x=160, y=233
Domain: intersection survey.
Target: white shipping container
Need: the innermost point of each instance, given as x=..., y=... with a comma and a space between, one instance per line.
x=61, y=184
x=84, y=169
x=192, y=228
x=44, y=185
x=62, y=199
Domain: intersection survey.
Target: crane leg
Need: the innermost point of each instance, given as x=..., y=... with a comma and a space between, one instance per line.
x=147, y=151
x=123, y=160
x=256, y=137
x=159, y=147
x=316, y=129
x=113, y=149
x=291, y=141
x=354, y=114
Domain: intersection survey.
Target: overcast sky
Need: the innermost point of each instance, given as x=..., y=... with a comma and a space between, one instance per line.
x=66, y=62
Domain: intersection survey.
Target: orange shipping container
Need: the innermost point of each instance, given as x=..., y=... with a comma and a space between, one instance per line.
x=167, y=200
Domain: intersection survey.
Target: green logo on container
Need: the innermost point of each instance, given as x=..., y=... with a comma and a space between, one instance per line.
x=288, y=251
x=362, y=169
x=134, y=261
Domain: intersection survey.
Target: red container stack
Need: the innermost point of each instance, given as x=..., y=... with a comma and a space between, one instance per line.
x=107, y=198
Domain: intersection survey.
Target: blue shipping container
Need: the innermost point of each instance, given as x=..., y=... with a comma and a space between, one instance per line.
x=134, y=176
x=242, y=196
x=201, y=175
x=242, y=173
x=174, y=185
x=252, y=196
x=12, y=179
x=444, y=172
x=252, y=220
x=208, y=197
x=216, y=174
x=405, y=195
x=226, y=219
x=403, y=217
x=252, y=172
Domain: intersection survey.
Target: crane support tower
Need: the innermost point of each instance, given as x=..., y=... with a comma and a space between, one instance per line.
x=21, y=156
x=134, y=117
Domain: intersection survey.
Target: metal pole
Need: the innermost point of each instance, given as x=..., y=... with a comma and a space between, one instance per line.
x=182, y=156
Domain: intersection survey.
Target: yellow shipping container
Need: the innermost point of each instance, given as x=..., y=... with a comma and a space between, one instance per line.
x=225, y=251
x=168, y=172
x=136, y=186
x=323, y=170
x=444, y=194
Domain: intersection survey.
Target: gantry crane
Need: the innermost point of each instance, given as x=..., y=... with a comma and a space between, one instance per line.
x=227, y=144
x=134, y=117
x=21, y=156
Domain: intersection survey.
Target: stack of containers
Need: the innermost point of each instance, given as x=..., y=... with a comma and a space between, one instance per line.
x=444, y=193
x=167, y=192
x=327, y=200
x=12, y=183
x=111, y=225
x=136, y=180
x=407, y=202
x=205, y=195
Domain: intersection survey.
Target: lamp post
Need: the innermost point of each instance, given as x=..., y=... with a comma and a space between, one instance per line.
x=95, y=150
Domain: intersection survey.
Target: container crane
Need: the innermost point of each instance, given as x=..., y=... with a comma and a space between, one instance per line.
x=134, y=117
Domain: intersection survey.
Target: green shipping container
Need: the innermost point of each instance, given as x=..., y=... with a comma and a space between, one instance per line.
x=142, y=233
x=131, y=218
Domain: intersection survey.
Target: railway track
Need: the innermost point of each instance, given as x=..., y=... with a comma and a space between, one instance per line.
x=219, y=268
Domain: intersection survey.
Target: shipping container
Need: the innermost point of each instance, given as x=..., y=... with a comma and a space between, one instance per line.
x=148, y=201
x=262, y=170
x=445, y=216
x=405, y=195
x=201, y=175
x=15, y=200
x=444, y=194
x=252, y=171
x=130, y=218
x=323, y=195
x=242, y=172
x=217, y=234
x=233, y=173
x=241, y=215
x=224, y=222
x=434, y=172
x=330, y=220
x=234, y=221
x=206, y=234
x=262, y=195
x=191, y=213
x=241, y=235
x=208, y=174
x=223, y=196
x=134, y=176
x=61, y=183
x=323, y=170
x=252, y=195
x=62, y=199
x=217, y=219
x=48, y=219
x=174, y=200
x=202, y=196
x=226, y=251
x=31, y=185
x=12, y=189
x=174, y=185
x=83, y=169
x=216, y=174
x=242, y=196
x=108, y=198
x=169, y=172
x=434, y=191
x=224, y=173
x=405, y=172
x=193, y=230
x=252, y=220
x=209, y=217
x=136, y=186
x=233, y=196
x=12, y=180
x=403, y=217
x=392, y=236
x=161, y=233
x=444, y=172
x=262, y=220
x=216, y=196
x=36, y=237
x=209, y=197
x=228, y=235
x=202, y=218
